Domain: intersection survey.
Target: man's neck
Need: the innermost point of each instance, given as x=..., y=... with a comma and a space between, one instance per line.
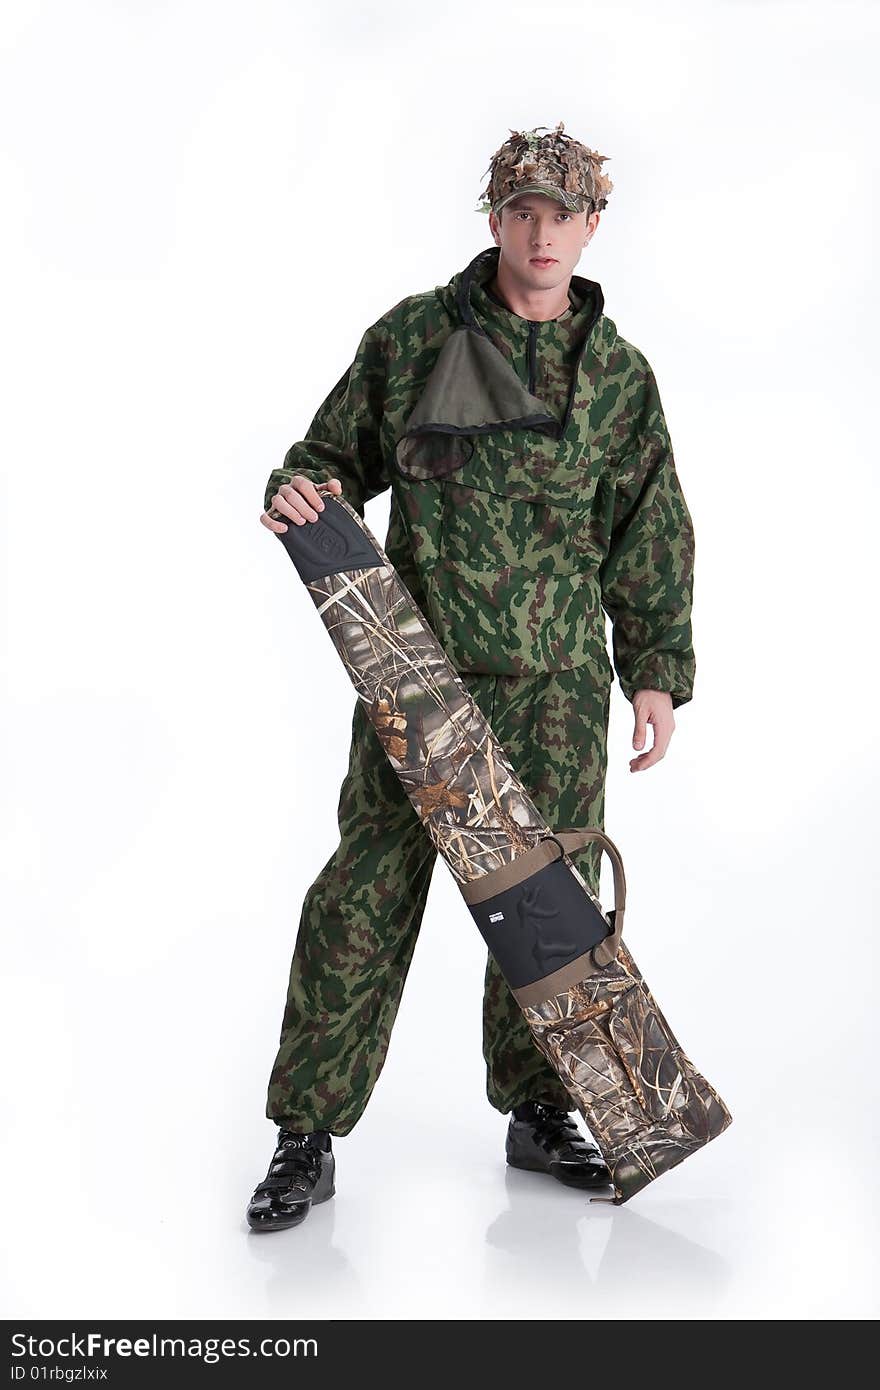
x=537, y=305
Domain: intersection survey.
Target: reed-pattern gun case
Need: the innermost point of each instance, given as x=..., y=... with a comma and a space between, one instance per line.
x=589, y=1010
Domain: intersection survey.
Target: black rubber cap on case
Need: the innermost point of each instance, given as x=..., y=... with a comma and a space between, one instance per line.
x=329, y=545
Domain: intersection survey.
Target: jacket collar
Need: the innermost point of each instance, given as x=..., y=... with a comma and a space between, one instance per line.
x=483, y=268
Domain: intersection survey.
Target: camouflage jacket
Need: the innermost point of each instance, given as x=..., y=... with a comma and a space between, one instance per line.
x=533, y=483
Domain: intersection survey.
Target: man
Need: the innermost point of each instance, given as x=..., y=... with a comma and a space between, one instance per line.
x=533, y=491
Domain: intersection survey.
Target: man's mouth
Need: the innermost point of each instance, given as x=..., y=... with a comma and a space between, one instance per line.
x=542, y=260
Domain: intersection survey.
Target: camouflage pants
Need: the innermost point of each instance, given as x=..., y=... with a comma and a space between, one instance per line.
x=361, y=916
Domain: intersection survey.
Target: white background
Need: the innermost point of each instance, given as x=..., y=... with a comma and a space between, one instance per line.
x=205, y=206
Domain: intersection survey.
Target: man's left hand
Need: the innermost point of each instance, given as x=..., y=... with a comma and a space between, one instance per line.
x=652, y=707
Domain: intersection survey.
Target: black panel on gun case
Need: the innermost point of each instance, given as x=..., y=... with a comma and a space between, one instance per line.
x=329, y=545
x=539, y=925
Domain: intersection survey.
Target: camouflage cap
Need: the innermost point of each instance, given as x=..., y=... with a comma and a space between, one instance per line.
x=554, y=164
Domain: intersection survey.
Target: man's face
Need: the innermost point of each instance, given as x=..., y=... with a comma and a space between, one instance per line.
x=541, y=241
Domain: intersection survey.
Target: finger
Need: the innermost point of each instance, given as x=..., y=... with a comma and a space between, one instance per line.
x=662, y=735
x=640, y=731
x=279, y=527
x=648, y=759
x=661, y=732
x=311, y=495
x=283, y=503
x=332, y=484
x=291, y=502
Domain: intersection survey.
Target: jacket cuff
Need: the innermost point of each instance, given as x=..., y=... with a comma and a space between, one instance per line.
x=672, y=673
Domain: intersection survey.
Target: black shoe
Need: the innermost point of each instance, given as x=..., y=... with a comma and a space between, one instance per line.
x=300, y=1175
x=544, y=1139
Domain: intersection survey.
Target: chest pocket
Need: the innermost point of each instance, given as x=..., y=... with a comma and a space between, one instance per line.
x=515, y=589
x=488, y=530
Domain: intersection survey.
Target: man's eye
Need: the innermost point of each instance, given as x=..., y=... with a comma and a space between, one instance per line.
x=559, y=214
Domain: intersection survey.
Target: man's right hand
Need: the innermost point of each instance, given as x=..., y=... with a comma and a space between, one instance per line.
x=300, y=500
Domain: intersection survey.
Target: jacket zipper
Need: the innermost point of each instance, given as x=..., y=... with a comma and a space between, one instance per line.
x=533, y=330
